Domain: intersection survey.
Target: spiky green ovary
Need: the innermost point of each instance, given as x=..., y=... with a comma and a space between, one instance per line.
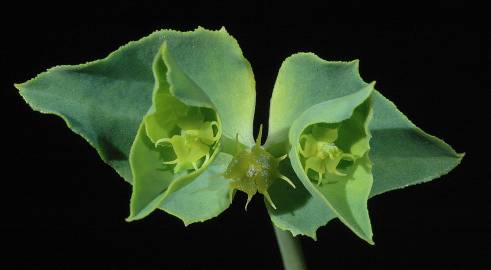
x=192, y=145
x=320, y=152
x=254, y=170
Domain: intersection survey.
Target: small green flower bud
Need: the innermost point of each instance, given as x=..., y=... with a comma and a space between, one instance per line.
x=254, y=170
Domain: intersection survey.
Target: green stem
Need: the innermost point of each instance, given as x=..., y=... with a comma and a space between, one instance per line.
x=291, y=250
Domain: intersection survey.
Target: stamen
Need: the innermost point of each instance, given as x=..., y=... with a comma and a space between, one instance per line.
x=303, y=152
x=249, y=197
x=336, y=172
x=231, y=195
x=259, y=135
x=175, y=161
x=282, y=157
x=162, y=141
x=268, y=198
x=287, y=180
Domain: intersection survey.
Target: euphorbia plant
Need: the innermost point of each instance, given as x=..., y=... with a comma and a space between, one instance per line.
x=173, y=113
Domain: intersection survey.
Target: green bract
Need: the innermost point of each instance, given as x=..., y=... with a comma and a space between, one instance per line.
x=172, y=113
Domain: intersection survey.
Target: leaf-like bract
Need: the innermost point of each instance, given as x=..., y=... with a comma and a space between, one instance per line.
x=346, y=195
x=106, y=100
x=401, y=154
x=103, y=101
x=202, y=69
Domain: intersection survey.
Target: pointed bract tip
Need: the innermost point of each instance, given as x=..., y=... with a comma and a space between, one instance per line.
x=18, y=86
x=132, y=217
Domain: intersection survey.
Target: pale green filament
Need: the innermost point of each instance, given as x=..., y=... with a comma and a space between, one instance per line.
x=321, y=153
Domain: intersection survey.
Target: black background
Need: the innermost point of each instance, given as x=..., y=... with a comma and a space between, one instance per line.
x=63, y=208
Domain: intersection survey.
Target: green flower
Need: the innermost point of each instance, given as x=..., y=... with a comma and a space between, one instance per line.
x=193, y=143
x=321, y=152
x=254, y=170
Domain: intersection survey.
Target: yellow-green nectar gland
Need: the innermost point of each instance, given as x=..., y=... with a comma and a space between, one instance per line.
x=321, y=153
x=192, y=147
x=254, y=170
